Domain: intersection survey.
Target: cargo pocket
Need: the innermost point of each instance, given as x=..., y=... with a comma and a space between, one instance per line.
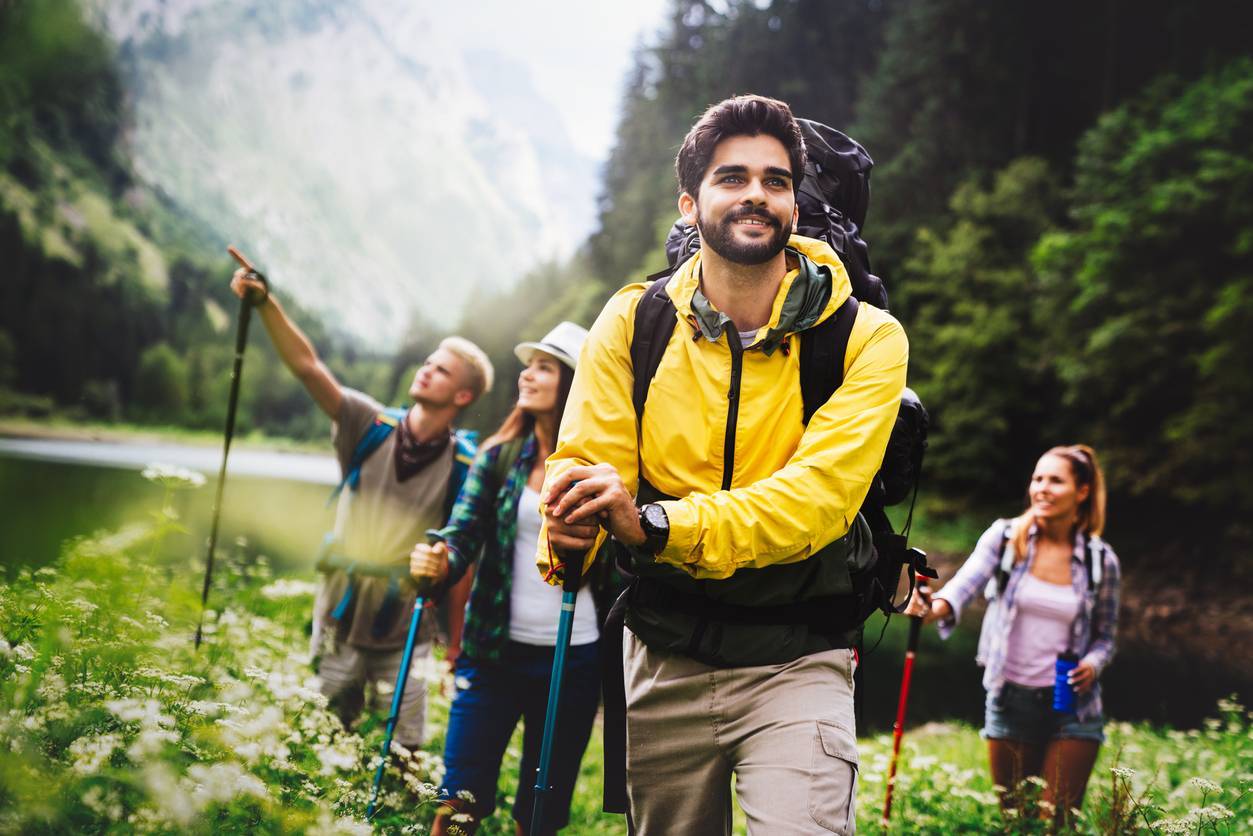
x=833, y=778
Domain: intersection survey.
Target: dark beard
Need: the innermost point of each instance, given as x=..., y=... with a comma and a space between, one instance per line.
x=721, y=239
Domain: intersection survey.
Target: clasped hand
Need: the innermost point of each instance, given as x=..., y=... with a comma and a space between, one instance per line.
x=428, y=565
x=585, y=498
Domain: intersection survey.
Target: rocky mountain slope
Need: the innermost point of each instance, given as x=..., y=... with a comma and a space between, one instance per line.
x=378, y=165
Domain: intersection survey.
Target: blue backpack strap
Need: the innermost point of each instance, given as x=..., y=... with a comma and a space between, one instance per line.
x=384, y=423
x=465, y=446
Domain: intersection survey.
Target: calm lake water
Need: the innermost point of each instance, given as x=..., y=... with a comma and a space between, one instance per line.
x=52, y=491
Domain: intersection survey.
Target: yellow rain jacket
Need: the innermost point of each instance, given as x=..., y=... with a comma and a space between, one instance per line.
x=793, y=489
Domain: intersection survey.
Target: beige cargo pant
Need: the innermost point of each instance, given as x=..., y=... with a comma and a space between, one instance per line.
x=345, y=671
x=784, y=731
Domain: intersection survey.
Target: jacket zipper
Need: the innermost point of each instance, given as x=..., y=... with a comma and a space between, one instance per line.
x=733, y=406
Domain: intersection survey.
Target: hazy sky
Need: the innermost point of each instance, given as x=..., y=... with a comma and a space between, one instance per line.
x=578, y=52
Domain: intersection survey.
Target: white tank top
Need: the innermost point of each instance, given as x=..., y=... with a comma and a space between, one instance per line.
x=1040, y=631
x=535, y=606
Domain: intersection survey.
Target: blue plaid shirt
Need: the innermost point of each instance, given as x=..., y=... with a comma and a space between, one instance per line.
x=1091, y=633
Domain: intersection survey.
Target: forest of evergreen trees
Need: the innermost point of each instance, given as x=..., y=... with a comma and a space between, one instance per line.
x=1061, y=213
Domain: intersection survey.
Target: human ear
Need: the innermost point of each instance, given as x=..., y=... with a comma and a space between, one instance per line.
x=464, y=397
x=687, y=208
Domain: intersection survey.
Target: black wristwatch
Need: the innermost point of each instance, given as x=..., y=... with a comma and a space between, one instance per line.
x=656, y=527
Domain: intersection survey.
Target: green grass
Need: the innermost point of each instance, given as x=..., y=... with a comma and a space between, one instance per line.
x=111, y=722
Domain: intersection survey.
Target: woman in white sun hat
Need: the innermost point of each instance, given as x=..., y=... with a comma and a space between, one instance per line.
x=504, y=651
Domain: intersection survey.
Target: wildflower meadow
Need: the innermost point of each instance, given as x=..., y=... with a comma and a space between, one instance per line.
x=110, y=721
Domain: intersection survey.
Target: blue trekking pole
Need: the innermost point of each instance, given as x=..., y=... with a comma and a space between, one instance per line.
x=543, y=783
x=398, y=695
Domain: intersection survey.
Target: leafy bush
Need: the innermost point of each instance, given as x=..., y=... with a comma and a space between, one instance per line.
x=110, y=718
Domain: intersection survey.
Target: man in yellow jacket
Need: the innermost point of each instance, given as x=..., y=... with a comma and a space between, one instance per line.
x=739, y=519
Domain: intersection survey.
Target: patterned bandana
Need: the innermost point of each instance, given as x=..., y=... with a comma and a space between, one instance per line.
x=412, y=456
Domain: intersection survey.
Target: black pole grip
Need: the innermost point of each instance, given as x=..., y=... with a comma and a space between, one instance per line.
x=915, y=631
x=572, y=576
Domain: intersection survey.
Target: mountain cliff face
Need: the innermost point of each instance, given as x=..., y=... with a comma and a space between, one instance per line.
x=376, y=165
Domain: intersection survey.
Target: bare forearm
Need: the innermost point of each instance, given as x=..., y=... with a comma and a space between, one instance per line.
x=458, y=594
x=299, y=355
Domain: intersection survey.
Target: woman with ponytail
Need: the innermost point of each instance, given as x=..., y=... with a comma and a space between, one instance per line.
x=1052, y=586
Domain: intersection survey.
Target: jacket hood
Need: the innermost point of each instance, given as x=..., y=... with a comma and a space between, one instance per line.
x=815, y=285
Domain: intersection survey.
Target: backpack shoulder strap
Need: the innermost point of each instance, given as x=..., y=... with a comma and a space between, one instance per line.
x=654, y=323
x=509, y=453
x=465, y=445
x=822, y=357
x=1093, y=560
x=1007, y=558
x=374, y=436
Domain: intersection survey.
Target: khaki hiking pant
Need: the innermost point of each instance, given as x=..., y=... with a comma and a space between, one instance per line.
x=784, y=731
x=345, y=670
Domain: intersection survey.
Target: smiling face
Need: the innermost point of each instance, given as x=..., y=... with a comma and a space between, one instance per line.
x=1053, y=492
x=538, y=384
x=746, y=208
x=442, y=380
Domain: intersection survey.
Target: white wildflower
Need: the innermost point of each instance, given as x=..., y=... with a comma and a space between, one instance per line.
x=1205, y=785
x=288, y=588
x=222, y=782
x=92, y=752
x=150, y=741
x=1123, y=772
x=176, y=804
x=344, y=755
x=173, y=476
x=103, y=803
x=24, y=652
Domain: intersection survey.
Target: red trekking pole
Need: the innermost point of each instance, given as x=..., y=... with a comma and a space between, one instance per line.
x=898, y=728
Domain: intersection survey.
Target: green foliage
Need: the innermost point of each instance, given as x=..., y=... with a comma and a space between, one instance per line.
x=110, y=719
x=8, y=354
x=973, y=304
x=161, y=382
x=1150, y=292
x=58, y=81
x=1146, y=781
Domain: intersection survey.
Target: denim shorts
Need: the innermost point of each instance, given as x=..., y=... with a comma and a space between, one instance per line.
x=1026, y=714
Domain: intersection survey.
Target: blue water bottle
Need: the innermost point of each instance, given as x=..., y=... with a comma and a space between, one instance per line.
x=1063, y=691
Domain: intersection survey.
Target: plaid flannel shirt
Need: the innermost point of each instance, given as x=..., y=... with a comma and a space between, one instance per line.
x=1091, y=634
x=485, y=519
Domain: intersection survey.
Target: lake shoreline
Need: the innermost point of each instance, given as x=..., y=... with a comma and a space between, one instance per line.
x=63, y=430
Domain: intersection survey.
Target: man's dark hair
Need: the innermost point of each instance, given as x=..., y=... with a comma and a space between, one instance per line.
x=738, y=116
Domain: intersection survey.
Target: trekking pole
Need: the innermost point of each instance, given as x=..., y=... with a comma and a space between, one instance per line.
x=402, y=679
x=898, y=728
x=241, y=342
x=569, y=595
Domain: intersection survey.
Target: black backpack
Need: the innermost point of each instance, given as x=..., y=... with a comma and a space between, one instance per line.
x=833, y=198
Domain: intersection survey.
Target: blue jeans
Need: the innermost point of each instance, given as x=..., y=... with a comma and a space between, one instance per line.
x=491, y=697
x=1026, y=714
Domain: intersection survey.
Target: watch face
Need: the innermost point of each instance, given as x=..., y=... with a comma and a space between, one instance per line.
x=655, y=517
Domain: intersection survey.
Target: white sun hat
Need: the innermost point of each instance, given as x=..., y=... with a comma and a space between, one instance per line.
x=563, y=342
